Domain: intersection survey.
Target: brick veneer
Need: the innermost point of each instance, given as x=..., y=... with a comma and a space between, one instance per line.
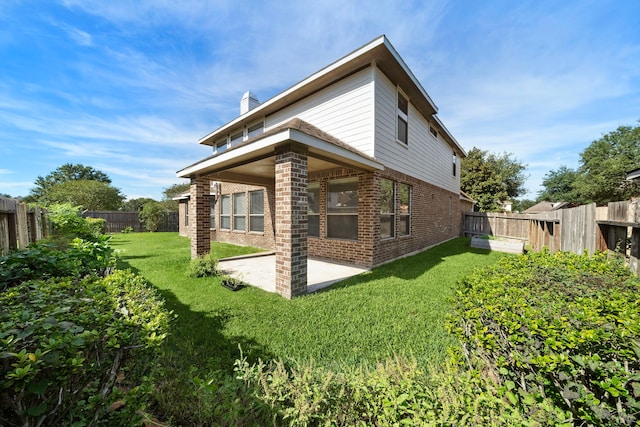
x=266, y=239
x=199, y=210
x=291, y=221
x=435, y=217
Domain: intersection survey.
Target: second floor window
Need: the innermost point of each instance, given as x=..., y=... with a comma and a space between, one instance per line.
x=403, y=119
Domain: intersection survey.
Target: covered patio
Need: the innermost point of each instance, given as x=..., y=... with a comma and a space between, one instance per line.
x=280, y=159
x=259, y=270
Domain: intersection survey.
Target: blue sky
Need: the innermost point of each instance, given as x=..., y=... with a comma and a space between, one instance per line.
x=128, y=87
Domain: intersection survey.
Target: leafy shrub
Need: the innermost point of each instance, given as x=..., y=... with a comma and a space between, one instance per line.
x=203, y=266
x=127, y=230
x=67, y=223
x=395, y=392
x=97, y=226
x=559, y=328
x=151, y=215
x=65, y=345
x=44, y=260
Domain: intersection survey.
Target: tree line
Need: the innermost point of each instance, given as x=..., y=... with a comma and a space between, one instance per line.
x=491, y=179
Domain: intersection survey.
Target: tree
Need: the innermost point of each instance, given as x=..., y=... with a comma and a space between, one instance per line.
x=135, y=205
x=559, y=186
x=151, y=215
x=490, y=179
x=522, y=205
x=604, y=165
x=91, y=195
x=65, y=173
x=174, y=191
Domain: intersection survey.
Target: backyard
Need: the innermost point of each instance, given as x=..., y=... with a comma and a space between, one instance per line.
x=398, y=309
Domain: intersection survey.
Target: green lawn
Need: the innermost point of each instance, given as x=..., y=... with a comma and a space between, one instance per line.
x=396, y=309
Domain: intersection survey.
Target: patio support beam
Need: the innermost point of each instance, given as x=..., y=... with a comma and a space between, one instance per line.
x=199, y=216
x=291, y=220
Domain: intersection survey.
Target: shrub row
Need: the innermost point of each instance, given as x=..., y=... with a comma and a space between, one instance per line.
x=45, y=260
x=66, y=344
x=563, y=329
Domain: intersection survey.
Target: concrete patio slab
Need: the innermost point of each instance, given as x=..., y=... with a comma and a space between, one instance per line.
x=260, y=270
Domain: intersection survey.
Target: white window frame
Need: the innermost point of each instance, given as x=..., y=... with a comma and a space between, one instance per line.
x=392, y=211
x=400, y=231
x=212, y=212
x=239, y=211
x=401, y=115
x=255, y=130
x=223, y=215
x=256, y=215
x=315, y=186
x=330, y=213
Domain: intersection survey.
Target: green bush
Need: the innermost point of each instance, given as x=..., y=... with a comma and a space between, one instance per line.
x=67, y=223
x=44, y=260
x=69, y=349
x=559, y=328
x=97, y=226
x=396, y=392
x=203, y=266
x=151, y=215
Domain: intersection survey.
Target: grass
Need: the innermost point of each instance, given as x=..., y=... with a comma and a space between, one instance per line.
x=397, y=309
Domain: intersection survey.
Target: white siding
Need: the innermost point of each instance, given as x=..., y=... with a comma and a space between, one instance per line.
x=344, y=110
x=424, y=157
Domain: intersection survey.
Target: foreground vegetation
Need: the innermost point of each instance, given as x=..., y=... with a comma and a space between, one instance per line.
x=395, y=310
x=76, y=338
x=533, y=340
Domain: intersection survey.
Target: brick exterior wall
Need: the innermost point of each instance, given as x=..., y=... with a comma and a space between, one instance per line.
x=436, y=216
x=291, y=222
x=199, y=210
x=264, y=240
x=183, y=227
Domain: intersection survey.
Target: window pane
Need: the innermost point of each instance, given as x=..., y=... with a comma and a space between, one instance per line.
x=342, y=227
x=220, y=147
x=342, y=196
x=256, y=223
x=256, y=200
x=239, y=223
x=212, y=212
x=236, y=139
x=225, y=222
x=402, y=130
x=387, y=226
x=313, y=197
x=405, y=209
x=238, y=204
x=225, y=205
x=405, y=224
x=403, y=104
x=405, y=198
x=255, y=130
x=314, y=225
x=386, y=196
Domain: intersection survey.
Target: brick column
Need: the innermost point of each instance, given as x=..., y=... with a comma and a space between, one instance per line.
x=291, y=221
x=199, y=218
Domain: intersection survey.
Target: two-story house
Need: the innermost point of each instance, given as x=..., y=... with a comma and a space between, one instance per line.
x=351, y=164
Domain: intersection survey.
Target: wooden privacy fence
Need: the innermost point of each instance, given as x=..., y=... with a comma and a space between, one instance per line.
x=615, y=227
x=19, y=225
x=117, y=221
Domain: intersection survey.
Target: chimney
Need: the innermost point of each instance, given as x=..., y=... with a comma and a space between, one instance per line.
x=249, y=102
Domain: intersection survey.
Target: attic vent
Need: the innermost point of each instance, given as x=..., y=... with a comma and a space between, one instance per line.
x=249, y=102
